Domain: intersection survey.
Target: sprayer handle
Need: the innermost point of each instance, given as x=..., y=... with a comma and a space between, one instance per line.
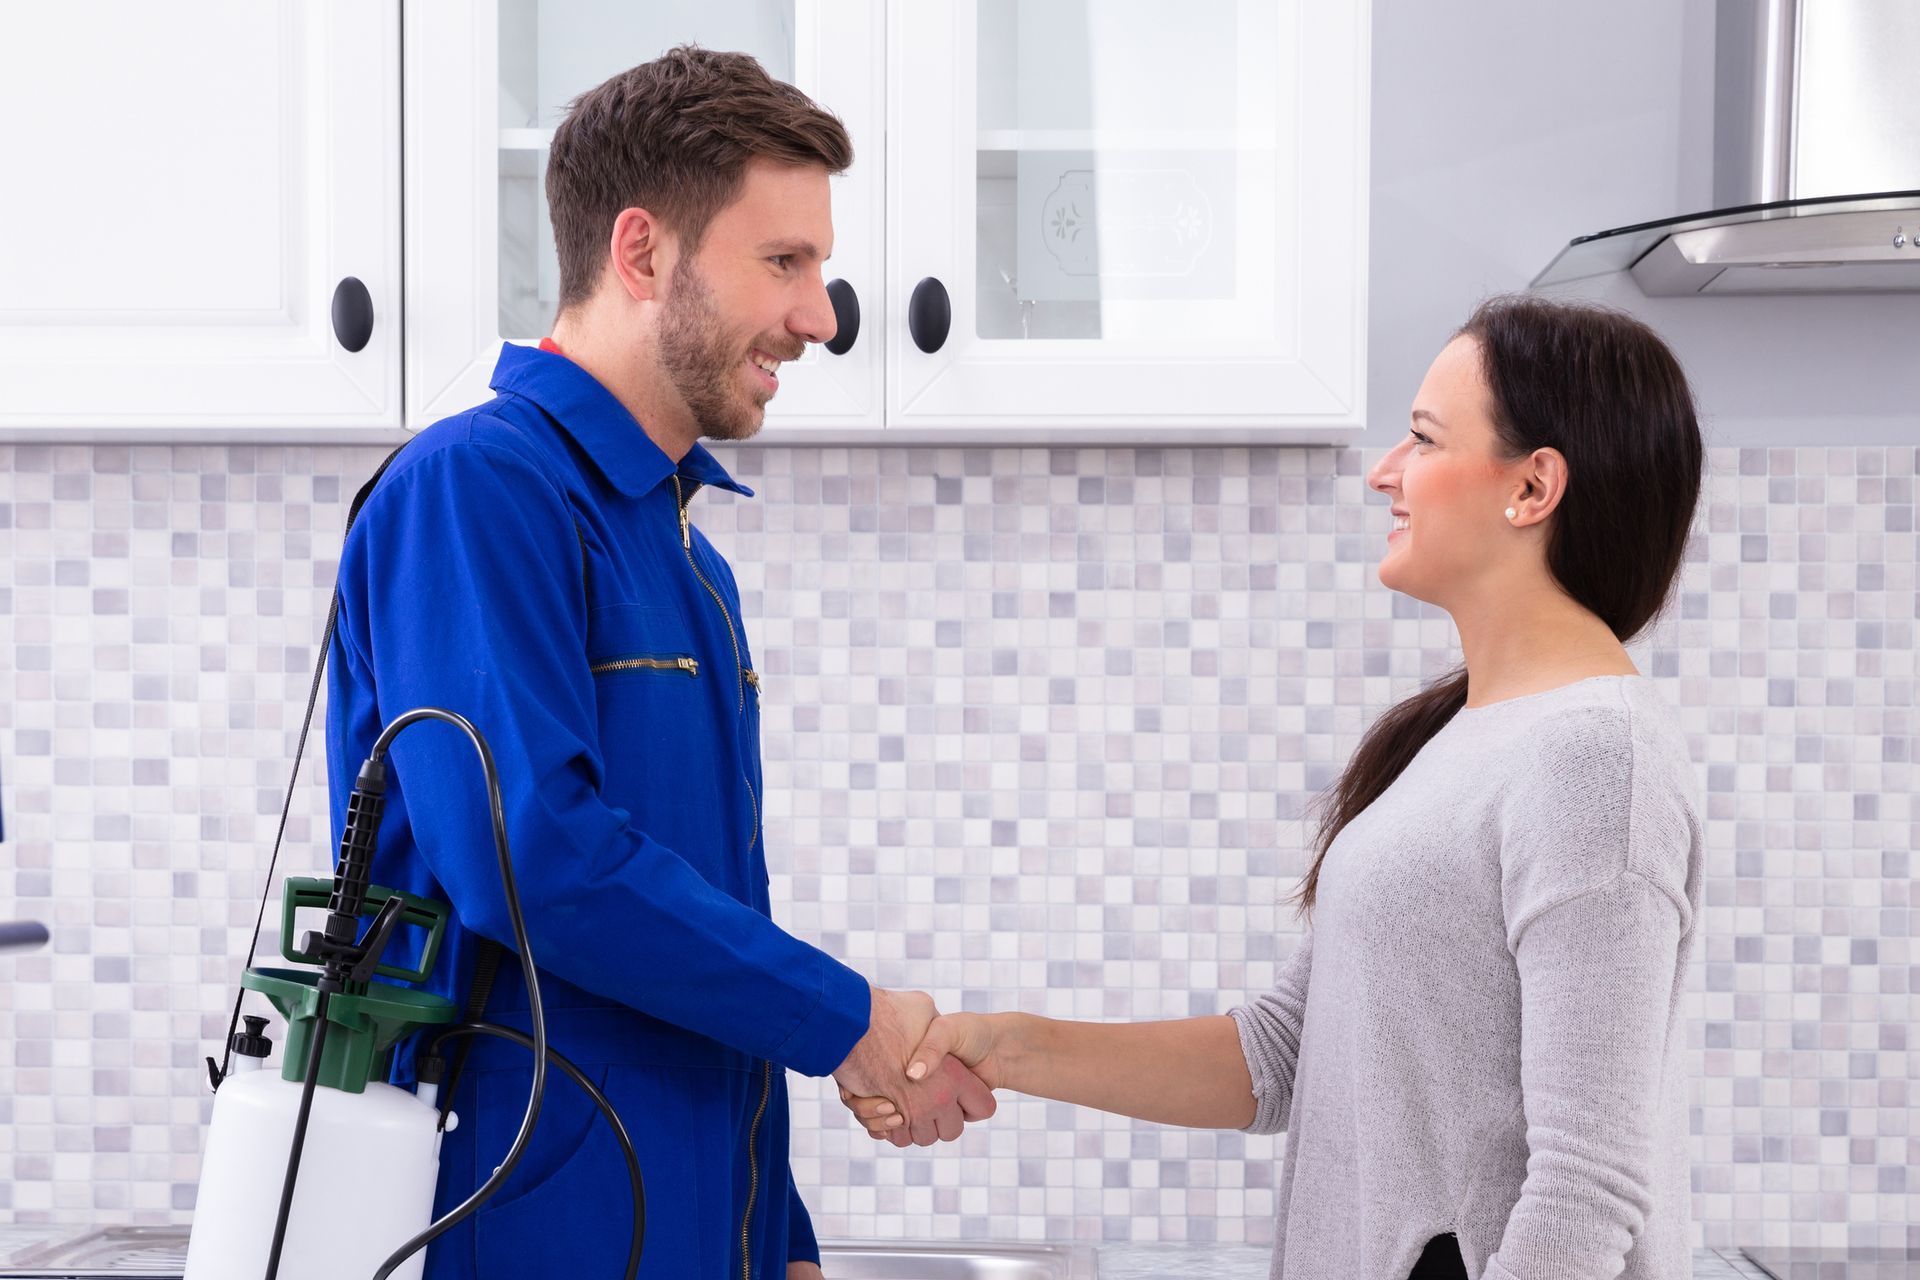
x=308, y=892
x=377, y=938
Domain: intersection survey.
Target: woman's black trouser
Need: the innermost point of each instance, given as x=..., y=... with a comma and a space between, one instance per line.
x=1440, y=1261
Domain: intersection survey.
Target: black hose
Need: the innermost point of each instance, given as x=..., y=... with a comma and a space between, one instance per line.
x=299, y=1133
x=537, y=1042
x=600, y=1100
x=535, y=1012
x=486, y=964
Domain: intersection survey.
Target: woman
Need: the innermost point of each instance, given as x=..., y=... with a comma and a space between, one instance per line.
x=1476, y=1052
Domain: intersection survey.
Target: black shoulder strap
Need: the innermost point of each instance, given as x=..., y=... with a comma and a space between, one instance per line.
x=216, y=1074
x=488, y=960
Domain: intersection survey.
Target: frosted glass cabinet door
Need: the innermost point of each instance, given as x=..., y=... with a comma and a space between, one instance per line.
x=1138, y=216
x=189, y=187
x=488, y=80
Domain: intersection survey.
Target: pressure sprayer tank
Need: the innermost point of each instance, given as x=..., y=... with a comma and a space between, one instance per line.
x=371, y=1158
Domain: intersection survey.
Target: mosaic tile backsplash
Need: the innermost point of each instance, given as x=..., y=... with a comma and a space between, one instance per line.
x=1041, y=729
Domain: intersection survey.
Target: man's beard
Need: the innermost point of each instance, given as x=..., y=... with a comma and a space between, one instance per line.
x=704, y=363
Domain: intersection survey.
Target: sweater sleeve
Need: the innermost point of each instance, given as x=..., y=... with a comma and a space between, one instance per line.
x=1270, y=1027
x=1595, y=855
x=1597, y=977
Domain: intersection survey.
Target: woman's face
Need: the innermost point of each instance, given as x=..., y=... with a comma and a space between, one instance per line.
x=1450, y=485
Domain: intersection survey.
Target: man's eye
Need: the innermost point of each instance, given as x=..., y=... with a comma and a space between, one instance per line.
x=781, y=260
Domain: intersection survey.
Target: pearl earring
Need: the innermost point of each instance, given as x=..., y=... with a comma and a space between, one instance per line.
x=1511, y=513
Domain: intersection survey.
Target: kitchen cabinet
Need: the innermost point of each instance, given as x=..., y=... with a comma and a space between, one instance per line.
x=1093, y=221
x=487, y=82
x=1115, y=220
x=192, y=186
x=1151, y=219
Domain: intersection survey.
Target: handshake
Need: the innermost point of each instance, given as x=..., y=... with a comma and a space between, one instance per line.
x=917, y=1077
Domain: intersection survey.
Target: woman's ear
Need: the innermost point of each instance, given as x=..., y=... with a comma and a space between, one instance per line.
x=1539, y=487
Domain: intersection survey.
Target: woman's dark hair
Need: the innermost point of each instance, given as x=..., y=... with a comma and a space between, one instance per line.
x=1604, y=390
x=673, y=136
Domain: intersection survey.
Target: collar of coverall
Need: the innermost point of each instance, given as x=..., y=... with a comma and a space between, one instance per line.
x=600, y=424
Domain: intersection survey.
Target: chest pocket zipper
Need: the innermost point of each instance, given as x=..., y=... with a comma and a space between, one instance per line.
x=683, y=665
x=686, y=543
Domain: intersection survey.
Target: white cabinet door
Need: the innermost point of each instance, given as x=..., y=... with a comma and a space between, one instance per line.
x=1142, y=216
x=189, y=186
x=487, y=81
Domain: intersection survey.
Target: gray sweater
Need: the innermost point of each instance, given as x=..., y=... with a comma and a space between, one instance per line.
x=1481, y=1031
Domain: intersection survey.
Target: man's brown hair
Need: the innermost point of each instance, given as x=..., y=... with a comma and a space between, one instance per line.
x=674, y=137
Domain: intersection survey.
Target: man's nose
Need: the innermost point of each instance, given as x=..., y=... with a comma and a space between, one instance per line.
x=812, y=318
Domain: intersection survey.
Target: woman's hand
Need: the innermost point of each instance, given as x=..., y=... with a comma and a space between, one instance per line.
x=1190, y=1071
x=936, y=1105
x=971, y=1040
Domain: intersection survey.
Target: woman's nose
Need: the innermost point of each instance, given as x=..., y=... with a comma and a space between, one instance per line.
x=1385, y=474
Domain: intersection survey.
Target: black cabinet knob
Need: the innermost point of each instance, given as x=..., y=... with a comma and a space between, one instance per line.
x=352, y=314
x=846, y=314
x=929, y=315
x=21, y=935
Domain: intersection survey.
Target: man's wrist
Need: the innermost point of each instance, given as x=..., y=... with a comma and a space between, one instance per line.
x=826, y=1039
x=876, y=1010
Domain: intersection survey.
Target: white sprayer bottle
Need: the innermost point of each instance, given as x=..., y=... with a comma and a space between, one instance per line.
x=369, y=1158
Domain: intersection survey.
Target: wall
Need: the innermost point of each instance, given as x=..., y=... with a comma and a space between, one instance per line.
x=1503, y=129
x=1040, y=726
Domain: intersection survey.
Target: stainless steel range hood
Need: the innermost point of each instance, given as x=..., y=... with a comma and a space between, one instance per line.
x=1816, y=161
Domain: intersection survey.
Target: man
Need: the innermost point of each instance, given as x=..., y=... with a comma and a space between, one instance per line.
x=534, y=565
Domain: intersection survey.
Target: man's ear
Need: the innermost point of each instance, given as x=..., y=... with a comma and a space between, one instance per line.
x=640, y=254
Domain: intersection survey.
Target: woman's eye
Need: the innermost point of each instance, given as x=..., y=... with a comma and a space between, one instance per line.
x=1421, y=438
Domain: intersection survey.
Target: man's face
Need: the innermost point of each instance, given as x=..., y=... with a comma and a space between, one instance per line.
x=750, y=298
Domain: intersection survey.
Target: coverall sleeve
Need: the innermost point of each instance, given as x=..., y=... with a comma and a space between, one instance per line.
x=802, y=1246
x=469, y=591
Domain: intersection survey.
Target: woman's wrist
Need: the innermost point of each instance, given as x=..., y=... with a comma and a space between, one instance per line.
x=1013, y=1036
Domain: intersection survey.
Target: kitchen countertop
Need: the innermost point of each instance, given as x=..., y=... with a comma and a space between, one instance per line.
x=163, y=1249
x=1250, y=1262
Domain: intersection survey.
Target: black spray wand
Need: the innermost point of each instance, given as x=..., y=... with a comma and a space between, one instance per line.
x=349, y=962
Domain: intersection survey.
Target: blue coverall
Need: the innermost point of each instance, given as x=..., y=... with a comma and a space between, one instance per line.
x=530, y=564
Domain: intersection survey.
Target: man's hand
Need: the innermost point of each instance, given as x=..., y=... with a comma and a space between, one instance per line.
x=965, y=1042
x=803, y=1271
x=933, y=1107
